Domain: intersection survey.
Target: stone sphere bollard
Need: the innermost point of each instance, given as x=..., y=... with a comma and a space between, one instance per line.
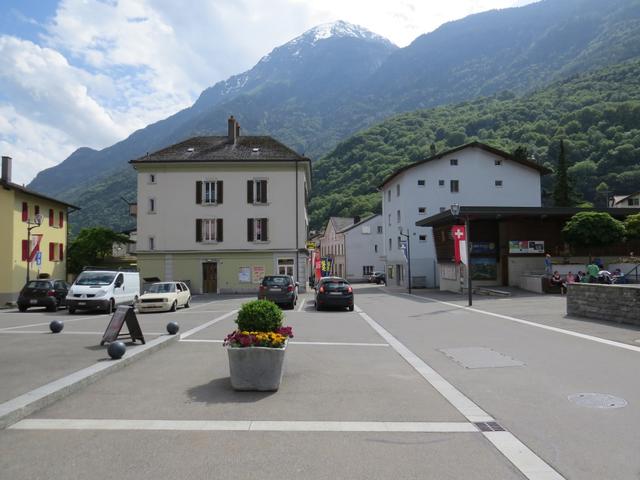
x=116, y=350
x=56, y=326
x=173, y=327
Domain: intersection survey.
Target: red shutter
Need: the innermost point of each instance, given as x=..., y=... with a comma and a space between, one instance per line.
x=25, y=250
x=52, y=251
x=25, y=212
x=51, y=217
x=61, y=256
x=61, y=219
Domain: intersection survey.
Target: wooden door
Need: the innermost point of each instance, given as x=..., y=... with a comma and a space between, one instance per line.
x=210, y=277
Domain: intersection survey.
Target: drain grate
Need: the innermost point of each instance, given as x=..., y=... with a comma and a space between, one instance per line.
x=489, y=427
x=597, y=400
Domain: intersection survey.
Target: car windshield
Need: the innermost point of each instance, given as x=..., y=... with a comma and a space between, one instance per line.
x=39, y=284
x=335, y=284
x=162, y=288
x=95, y=278
x=275, y=281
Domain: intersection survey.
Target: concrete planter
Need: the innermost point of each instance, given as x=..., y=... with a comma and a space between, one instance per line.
x=256, y=368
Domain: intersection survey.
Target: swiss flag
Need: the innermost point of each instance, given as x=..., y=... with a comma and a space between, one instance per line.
x=460, y=243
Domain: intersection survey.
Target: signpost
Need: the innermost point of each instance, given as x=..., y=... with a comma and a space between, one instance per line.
x=124, y=313
x=39, y=258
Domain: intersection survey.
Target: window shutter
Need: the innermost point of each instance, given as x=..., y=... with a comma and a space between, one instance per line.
x=52, y=251
x=264, y=191
x=25, y=212
x=25, y=249
x=249, y=191
x=199, y=193
x=198, y=229
x=219, y=235
x=61, y=256
x=61, y=219
x=249, y=229
x=51, y=217
x=265, y=236
x=219, y=191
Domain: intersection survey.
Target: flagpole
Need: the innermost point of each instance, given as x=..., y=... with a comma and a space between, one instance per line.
x=467, y=234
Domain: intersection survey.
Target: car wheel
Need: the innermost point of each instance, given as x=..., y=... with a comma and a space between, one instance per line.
x=350, y=308
x=52, y=308
x=174, y=306
x=188, y=304
x=111, y=306
x=22, y=308
x=71, y=310
x=317, y=306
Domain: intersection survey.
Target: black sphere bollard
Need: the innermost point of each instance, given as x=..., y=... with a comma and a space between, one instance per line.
x=56, y=326
x=173, y=327
x=116, y=350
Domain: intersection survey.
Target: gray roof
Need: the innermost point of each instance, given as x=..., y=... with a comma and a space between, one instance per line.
x=218, y=149
x=364, y=220
x=340, y=223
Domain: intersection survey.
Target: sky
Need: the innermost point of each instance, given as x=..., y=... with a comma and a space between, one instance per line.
x=88, y=73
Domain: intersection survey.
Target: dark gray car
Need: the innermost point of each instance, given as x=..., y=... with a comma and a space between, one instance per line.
x=280, y=289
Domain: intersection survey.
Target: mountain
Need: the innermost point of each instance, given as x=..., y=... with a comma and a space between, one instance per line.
x=597, y=115
x=337, y=79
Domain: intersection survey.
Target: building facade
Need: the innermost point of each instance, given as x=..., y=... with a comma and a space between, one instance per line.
x=364, y=248
x=626, y=201
x=29, y=249
x=221, y=212
x=332, y=245
x=473, y=174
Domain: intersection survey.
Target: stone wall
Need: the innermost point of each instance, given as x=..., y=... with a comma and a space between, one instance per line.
x=614, y=303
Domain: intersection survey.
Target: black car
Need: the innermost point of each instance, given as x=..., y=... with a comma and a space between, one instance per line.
x=280, y=289
x=378, y=278
x=334, y=292
x=43, y=293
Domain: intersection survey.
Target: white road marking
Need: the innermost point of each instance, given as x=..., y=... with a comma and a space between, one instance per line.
x=71, y=332
x=302, y=304
x=243, y=425
x=340, y=344
x=532, y=466
x=188, y=333
x=584, y=336
x=64, y=320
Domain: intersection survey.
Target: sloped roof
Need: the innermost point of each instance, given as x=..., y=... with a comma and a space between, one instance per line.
x=14, y=186
x=483, y=146
x=340, y=223
x=364, y=220
x=621, y=198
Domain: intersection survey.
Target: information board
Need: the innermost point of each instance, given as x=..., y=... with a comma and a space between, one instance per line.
x=526, y=246
x=123, y=314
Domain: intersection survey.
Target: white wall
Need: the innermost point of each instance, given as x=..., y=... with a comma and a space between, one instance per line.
x=360, y=248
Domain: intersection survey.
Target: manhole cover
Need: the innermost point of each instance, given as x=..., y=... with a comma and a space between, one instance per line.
x=597, y=400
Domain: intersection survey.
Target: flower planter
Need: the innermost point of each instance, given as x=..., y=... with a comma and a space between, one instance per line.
x=256, y=368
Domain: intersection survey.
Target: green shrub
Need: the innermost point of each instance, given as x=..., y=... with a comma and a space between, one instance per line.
x=259, y=316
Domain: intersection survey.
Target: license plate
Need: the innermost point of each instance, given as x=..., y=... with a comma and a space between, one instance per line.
x=33, y=302
x=275, y=289
x=335, y=293
x=82, y=303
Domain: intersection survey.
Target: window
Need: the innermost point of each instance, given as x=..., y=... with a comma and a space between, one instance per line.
x=441, y=183
x=209, y=192
x=453, y=161
x=209, y=230
x=366, y=229
x=257, y=229
x=498, y=162
x=422, y=210
x=380, y=229
x=152, y=243
x=367, y=270
x=36, y=209
x=257, y=191
x=56, y=252
x=397, y=190
x=25, y=211
x=399, y=243
x=422, y=238
x=152, y=178
x=421, y=183
x=375, y=248
x=633, y=202
x=390, y=242
x=285, y=266
x=389, y=195
x=498, y=183
x=152, y=205
x=455, y=186
x=397, y=216
x=389, y=219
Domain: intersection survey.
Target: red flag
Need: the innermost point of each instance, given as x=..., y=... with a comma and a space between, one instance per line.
x=460, y=243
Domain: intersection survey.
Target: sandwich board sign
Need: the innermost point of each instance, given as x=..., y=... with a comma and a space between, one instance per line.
x=123, y=314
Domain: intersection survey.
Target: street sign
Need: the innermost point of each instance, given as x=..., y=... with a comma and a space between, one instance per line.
x=124, y=313
x=39, y=258
x=311, y=245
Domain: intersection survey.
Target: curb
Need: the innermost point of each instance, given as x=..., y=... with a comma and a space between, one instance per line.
x=30, y=402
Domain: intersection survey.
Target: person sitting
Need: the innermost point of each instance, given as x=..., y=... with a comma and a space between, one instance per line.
x=557, y=281
x=618, y=276
x=571, y=278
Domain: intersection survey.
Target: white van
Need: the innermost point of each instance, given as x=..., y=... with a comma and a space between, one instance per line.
x=103, y=290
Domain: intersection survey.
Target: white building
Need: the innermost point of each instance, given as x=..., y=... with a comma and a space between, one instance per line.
x=470, y=175
x=364, y=248
x=626, y=201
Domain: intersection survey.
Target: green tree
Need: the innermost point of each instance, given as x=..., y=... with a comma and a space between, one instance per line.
x=593, y=229
x=521, y=153
x=562, y=191
x=602, y=194
x=632, y=226
x=91, y=246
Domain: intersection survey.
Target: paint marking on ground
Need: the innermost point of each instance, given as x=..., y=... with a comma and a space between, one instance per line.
x=188, y=333
x=525, y=460
x=302, y=304
x=584, y=336
x=243, y=425
x=337, y=344
x=64, y=320
x=70, y=332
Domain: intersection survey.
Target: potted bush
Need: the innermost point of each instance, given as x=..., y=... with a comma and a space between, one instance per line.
x=256, y=349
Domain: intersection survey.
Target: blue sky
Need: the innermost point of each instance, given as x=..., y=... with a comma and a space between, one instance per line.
x=77, y=73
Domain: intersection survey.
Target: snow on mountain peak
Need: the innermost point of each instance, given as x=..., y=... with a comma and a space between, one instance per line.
x=339, y=28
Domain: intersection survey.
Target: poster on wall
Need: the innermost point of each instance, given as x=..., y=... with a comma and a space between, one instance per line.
x=526, y=246
x=244, y=275
x=258, y=273
x=326, y=265
x=483, y=248
x=484, y=268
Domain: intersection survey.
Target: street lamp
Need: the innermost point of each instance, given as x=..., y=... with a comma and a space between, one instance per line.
x=37, y=221
x=455, y=211
x=406, y=235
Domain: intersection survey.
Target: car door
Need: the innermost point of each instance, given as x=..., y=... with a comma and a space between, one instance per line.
x=119, y=294
x=60, y=289
x=180, y=294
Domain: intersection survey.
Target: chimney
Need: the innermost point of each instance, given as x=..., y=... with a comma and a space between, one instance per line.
x=356, y=219
x=6, y=169
x=237, y=131
x=233, y=130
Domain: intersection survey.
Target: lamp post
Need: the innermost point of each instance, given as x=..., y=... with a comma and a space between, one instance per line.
x=455, y=211
x=37, y=221
x=406, y=235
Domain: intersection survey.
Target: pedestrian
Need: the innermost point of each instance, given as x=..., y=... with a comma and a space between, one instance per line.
x=556, y=281
x=592, y=273
x=547, y=265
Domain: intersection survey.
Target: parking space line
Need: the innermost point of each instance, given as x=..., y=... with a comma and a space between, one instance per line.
x=339, y=344
x=188, y=333
x=71, y=332
x=47, y=323
x=584, y=336
x=525, y=460
x=244, y=425
x=302, y=304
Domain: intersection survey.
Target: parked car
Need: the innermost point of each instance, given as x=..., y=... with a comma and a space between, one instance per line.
x=103, y=290
x=280, y=289
x=164, y=296
x=334, y=292
x=43, y=293
x=378, y=278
